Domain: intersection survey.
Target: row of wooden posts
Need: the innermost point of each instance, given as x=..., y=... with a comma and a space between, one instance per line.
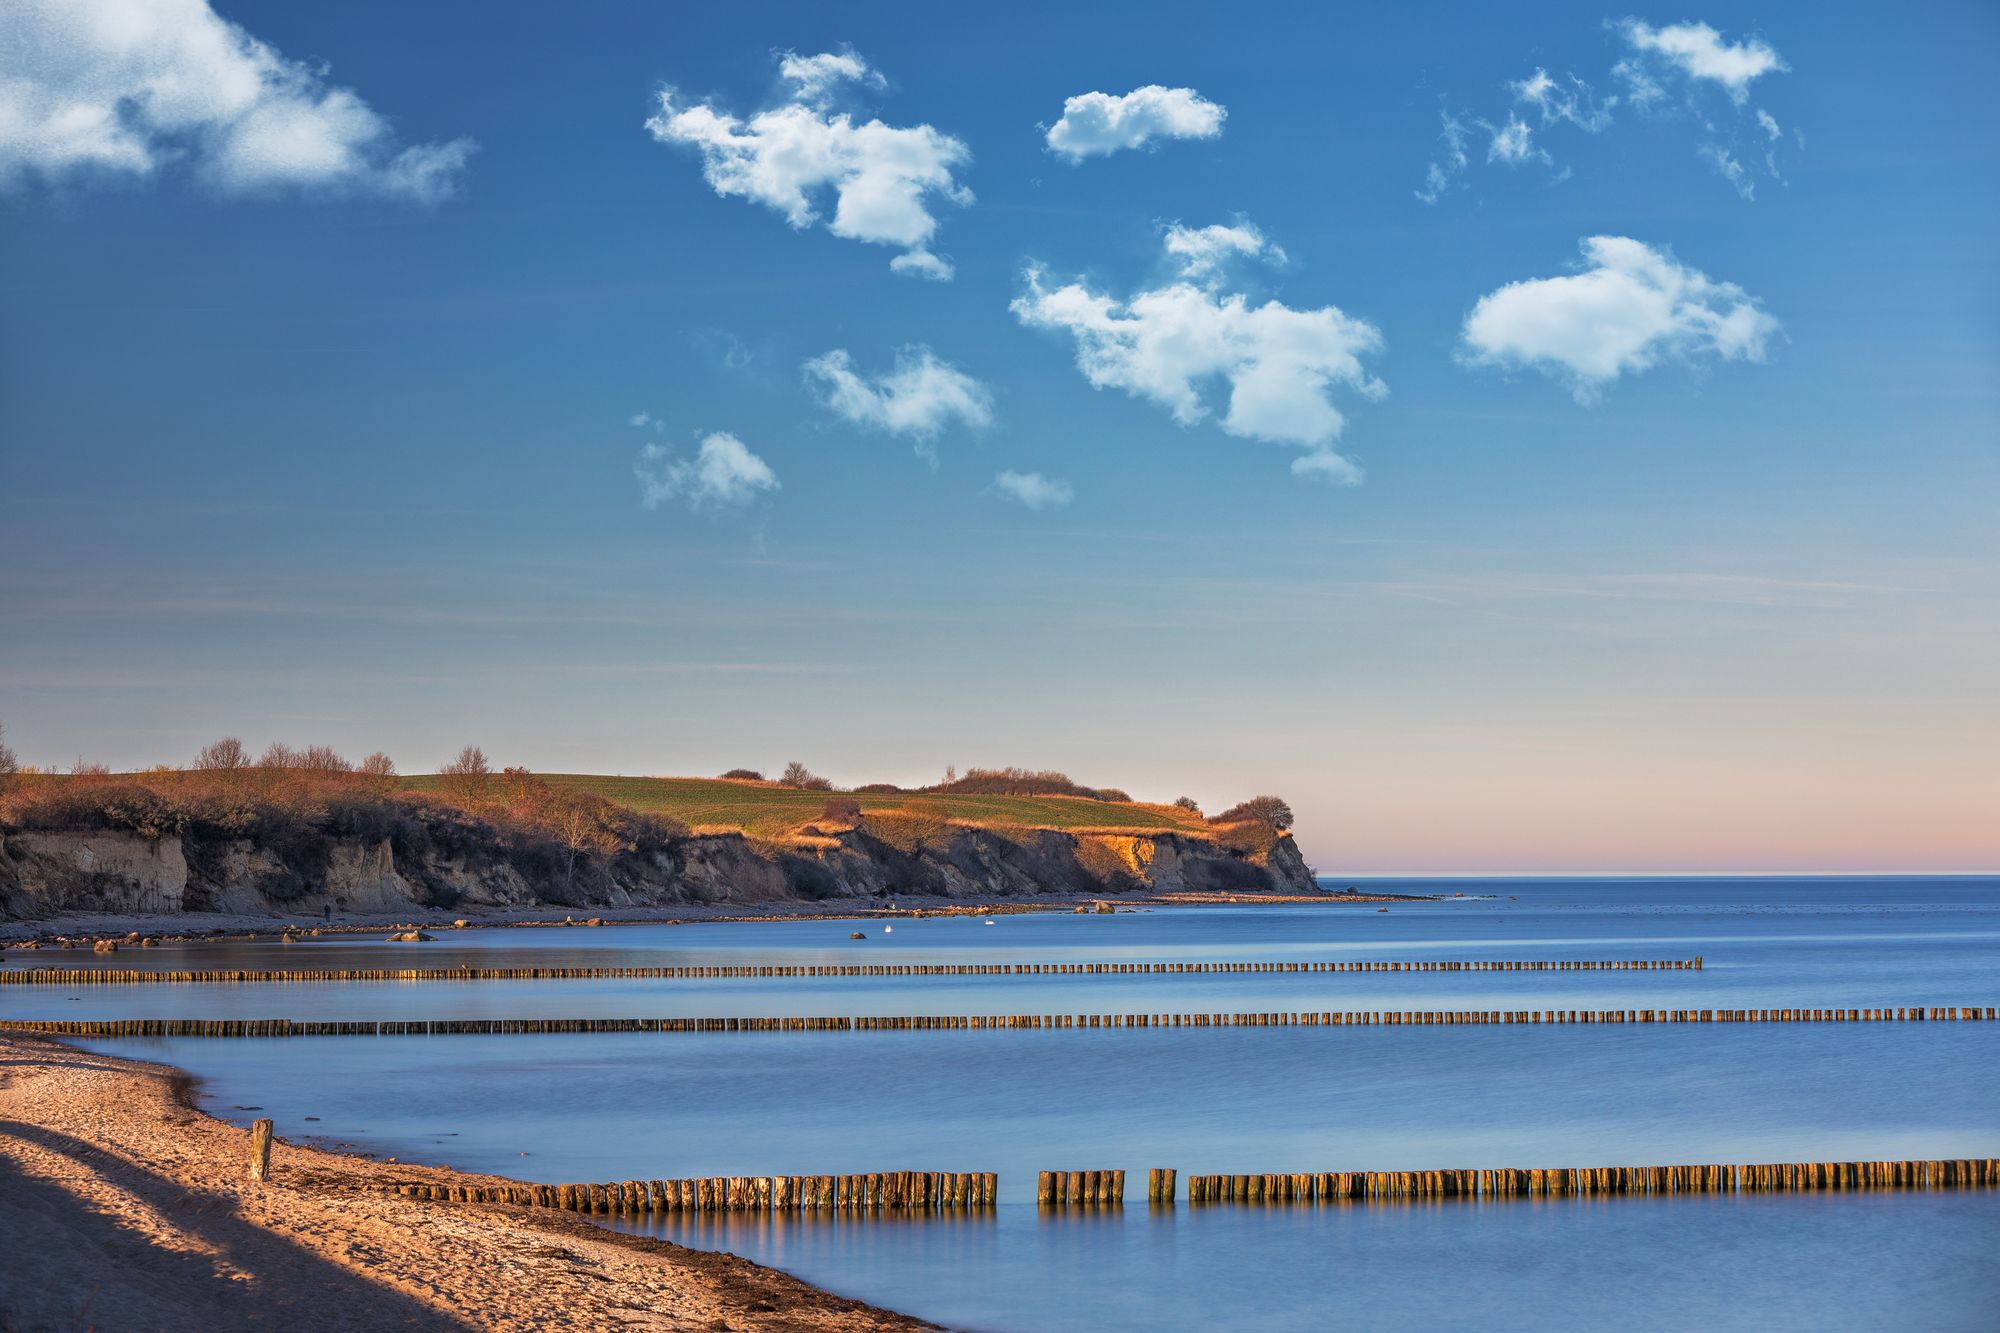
x=877, y=1191
x=1309, y=1187
x=129, y=976
x=438, y=1027
x=1074, y=1189
x=958, y=1191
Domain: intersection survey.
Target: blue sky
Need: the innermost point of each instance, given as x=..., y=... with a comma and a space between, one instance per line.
x=338, y=445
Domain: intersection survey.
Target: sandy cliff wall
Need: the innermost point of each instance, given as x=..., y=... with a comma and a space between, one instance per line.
x=43, y=874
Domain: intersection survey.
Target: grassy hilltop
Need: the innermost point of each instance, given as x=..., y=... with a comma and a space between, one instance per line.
x=769, y=810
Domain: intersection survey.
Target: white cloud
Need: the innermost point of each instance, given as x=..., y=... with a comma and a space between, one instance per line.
x=1174, y=344
x=723, y=473
x=923, y=264
x=1630, y=308
x=1642, y=90
x=1572, y=101
x=1513, y=143
x=1094, y=124
x=644, y=420
x=813, y=78
x=1450, y=163
x=1034, y=490
x=1698, y=52
x=1328, y=466
x=1729, y=169
x=919, y=398
x=884, y=179
x=1686, y=57
x=130, y=86
x=1202, y=253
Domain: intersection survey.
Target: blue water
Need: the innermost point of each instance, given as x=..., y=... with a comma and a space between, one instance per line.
x=614, y=1107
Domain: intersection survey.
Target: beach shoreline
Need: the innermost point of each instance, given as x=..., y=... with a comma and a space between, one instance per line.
x=77, y=929
x=123, y=1205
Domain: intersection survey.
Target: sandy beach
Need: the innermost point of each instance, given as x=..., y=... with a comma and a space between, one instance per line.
x=124, y=1207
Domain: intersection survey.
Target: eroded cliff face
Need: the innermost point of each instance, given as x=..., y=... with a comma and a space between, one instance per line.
x=46, y=874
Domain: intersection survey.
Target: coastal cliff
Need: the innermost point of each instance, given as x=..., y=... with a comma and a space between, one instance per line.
x=48, y=873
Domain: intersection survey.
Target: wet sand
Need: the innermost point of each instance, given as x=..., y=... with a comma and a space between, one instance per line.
x=124, y=1207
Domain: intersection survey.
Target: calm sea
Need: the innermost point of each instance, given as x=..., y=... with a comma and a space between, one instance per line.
x=616, y=1107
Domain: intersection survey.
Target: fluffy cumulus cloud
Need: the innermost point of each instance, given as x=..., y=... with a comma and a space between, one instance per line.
x=918, y=398
x=1627, y=309
x=1095, y=124
x=723, y=474
x=1694, y=51
x=883, y=180
x=1034, y=490
x=127, y=87
x=1177, y=345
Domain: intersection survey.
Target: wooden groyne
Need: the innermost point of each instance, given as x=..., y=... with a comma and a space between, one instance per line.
x=935, y=1192
x=132, y=976
x=1508, y=1183
x=443, y=1027
x=870, y=1192
x=1077, y=1189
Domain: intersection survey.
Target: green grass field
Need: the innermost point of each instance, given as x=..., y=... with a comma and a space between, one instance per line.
x=767, y=811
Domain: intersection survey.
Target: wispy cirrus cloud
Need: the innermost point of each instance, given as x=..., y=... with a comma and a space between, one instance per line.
x=1175, y=344
x=131, y=87
x=1630, y=307
x=1096, y=124
x=1688, y=59
x=884, y=180
x=1693, y=59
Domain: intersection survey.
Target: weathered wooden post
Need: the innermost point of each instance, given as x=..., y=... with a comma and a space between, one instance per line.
x=260, y=1150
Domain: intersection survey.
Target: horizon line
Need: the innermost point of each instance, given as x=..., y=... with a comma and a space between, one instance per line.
x=1659, y=874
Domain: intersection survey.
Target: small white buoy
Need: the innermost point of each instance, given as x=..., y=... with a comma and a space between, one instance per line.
x=887, y=929
x=990, y=921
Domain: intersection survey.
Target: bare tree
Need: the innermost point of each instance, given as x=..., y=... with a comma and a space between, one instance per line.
x=10, y=763
x=1189, y=804
x=585, y=825
x=85, y=769
x=743, y=775
x=378, y=772
x=323, y=759
x=523, y=792
x=281, y=755
x=797, y=774
x=467, y=777
x=225, y=755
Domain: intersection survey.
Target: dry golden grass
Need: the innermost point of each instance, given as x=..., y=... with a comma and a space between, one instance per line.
x=767, y=810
